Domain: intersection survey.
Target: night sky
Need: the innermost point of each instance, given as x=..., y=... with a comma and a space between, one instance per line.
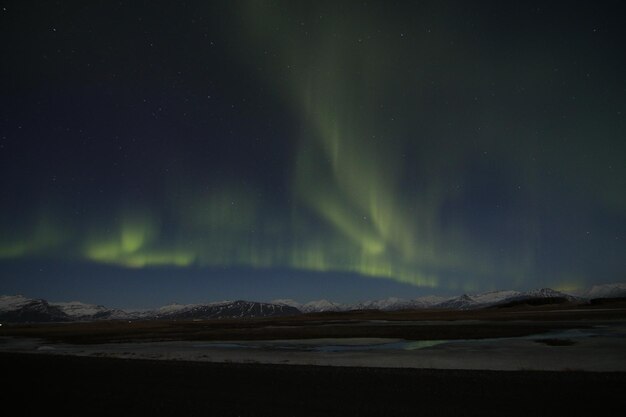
x=153, y=152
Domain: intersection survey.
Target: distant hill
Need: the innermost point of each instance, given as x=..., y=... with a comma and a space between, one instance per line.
x=617, y=290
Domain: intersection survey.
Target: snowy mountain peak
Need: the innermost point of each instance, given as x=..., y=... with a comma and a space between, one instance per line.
x=390, y=303
x=226, y=309
x=321, y=306
x=78, y=309
x=312, y=306
x=395, y=303
x=545, y=293
x=13, y=302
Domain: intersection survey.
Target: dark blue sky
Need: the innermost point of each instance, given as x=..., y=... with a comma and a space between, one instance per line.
x=192, y=152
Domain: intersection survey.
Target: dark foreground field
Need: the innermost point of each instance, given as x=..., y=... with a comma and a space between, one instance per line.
x=38, y=384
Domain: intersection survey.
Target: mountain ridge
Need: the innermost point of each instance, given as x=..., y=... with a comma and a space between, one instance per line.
x=18, y=308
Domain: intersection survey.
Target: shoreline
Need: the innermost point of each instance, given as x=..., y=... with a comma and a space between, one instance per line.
x=599, y=348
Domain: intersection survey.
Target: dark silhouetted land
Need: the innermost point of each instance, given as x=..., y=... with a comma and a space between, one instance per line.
x=43, y=384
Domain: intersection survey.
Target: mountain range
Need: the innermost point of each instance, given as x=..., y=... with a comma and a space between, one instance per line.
x=18, y=308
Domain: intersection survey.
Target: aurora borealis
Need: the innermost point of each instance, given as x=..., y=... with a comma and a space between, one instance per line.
x=422, y=146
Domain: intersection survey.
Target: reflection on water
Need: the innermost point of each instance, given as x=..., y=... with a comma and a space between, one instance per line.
x=398, y=345
x=334, y=345
x=402, y=345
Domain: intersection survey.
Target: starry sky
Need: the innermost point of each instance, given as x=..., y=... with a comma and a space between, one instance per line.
x=153, y=152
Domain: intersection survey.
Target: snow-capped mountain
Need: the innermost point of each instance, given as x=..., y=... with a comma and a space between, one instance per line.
x=82, y=311
x=393, y=303
x=227, y=309
x=321, y=306
x=606, y=291
x=171, y=309
x=317, y=306
x=468, y=301
x=428, y=301
x=461, y=302
x=18, y=308
x=548, y=293
x=13, y=302
x=21, y=309
x=387, y=304
x=78, y=309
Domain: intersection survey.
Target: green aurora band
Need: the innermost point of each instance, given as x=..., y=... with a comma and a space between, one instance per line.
x=370, y=184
